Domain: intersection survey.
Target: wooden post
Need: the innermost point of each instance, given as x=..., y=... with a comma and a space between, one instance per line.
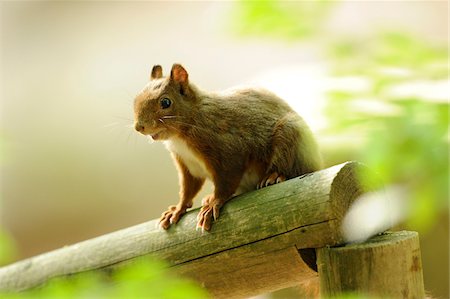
x=386, y=266
x=252, y=248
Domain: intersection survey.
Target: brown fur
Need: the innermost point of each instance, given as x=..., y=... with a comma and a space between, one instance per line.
x=229, y=132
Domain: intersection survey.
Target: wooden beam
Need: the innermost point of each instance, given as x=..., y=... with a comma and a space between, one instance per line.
x=386, y=266
x=257, y=235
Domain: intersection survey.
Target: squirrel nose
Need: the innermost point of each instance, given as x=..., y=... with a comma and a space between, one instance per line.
x=140, y=128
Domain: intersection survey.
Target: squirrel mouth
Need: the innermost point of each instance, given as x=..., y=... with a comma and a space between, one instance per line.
x=156, y=136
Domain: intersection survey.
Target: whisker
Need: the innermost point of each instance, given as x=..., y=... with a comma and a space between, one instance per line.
x=186, y=124
x=189, y=125
x=170, y=116
x=172, y=127
x=123, y=118
x=110, y=125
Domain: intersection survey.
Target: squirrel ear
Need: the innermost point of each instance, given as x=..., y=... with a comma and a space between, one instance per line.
x=180, y=76
x=156, y=72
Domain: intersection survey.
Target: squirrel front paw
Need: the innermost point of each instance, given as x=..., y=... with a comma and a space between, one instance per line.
x=210, y=209
x=171, y=216
x=271, y=179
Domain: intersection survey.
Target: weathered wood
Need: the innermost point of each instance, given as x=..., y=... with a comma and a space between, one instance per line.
x=257, y=235
x=249, y=270
x=386, y=266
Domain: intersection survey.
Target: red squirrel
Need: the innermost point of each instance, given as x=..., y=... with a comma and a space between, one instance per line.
x=240, y=139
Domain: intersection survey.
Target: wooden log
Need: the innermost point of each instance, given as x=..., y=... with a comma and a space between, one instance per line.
x=386, y=266
x=252, y=248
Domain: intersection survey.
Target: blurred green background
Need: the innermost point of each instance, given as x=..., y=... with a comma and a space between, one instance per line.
x=371, y=78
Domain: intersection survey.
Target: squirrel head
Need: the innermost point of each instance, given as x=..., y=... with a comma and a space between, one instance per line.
x=163, y=107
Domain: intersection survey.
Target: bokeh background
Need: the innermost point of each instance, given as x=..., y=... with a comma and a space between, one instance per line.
x=370, y=77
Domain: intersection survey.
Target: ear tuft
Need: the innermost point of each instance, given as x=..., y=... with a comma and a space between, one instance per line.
x=179, y=74
x=156, y=72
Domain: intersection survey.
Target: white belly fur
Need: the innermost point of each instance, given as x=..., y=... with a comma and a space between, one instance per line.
x=197, y=167
x=249, y=181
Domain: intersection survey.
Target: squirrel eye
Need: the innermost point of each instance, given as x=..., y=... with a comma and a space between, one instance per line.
x=165, y=103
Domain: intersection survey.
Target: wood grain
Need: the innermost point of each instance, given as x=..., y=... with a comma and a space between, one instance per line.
x=386, y=266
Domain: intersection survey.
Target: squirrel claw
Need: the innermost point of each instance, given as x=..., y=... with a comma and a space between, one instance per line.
x=271, y=179
x=208, y=213
x=204, y=221
x=171, y=216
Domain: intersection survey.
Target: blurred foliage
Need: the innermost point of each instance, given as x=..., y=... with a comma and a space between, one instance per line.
x=404, y=134
x=143, y=279
x=259, y=17
x=374, y=56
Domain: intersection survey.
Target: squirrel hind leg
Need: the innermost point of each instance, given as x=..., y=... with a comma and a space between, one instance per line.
x=271, y=179
x=294, y=150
